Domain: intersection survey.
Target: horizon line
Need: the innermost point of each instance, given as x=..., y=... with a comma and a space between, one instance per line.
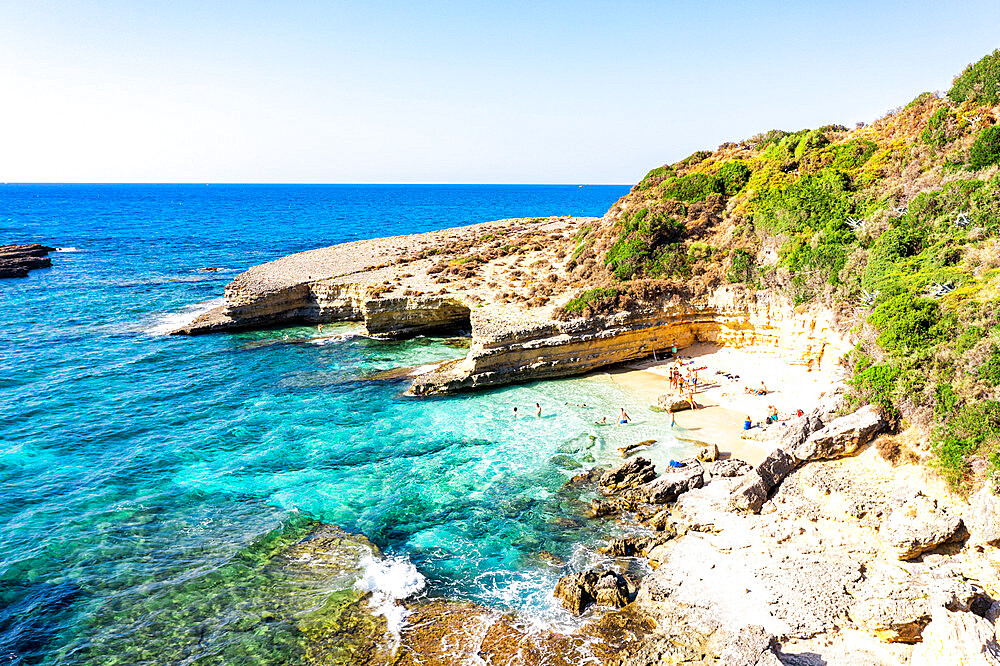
x=209, y=184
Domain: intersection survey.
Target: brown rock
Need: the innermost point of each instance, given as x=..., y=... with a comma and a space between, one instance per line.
x=630, y=474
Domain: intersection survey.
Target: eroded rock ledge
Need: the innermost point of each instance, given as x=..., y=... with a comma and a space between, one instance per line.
x=503, y=282
x=18, y=260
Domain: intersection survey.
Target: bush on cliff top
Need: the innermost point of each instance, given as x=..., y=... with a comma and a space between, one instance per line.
x=979, y=82
x=985, y=149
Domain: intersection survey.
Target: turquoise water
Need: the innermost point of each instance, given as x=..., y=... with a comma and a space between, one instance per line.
x=148, y=481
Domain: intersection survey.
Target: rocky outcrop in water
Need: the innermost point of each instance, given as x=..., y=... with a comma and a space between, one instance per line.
x=18, y=260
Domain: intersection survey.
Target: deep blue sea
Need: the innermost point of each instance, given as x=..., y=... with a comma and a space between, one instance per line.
x=147, y=481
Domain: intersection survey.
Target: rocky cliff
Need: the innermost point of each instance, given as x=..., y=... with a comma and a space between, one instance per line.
x=505, y=283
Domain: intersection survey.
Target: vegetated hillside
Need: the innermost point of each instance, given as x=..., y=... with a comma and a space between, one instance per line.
x=895, y=225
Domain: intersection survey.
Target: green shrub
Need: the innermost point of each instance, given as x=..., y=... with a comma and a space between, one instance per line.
x=655, y=177
x=942, y=127
x=876, y=384
x=641, y=234
x=945, y=401
x=742, y=267
x=811, y=141
x=906, y=323
x=692, y=159
x=979, y=82
x=974, y=429
x=989, y=372
x=693, y=187
x=853, y=154
x=734, y=174
x=986, y=148
x=590, y=297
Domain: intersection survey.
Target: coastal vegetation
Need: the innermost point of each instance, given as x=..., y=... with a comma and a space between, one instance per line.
x=895, y=226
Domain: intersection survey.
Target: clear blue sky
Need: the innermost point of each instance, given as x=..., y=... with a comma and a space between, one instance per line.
x=461, y=92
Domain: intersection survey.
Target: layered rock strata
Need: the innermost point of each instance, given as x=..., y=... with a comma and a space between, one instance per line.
x=504, y=283
x=19, y=260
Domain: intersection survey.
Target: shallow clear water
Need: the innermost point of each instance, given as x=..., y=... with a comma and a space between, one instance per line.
x=147, y=480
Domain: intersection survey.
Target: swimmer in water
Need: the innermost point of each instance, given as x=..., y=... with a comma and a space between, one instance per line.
x=538, y=410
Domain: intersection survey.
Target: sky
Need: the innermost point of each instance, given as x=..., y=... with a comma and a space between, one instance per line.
x=447, y=92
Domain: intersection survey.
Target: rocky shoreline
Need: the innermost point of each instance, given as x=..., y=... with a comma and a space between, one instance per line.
x=18, y=260
x=824, y=553
x=839, y=547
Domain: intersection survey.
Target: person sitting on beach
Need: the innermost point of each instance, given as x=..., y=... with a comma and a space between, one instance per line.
x=623, y=417
x=762, y=390
x=747, y=424
x=747, y=389
x=773, y=413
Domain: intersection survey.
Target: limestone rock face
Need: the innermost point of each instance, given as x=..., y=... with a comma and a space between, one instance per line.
x=668, y=486
x=957, y=639
x=731, y=467
x=752, y=493
x=708, y=453
x=841, y=437
x=630, y=474
x=895, y=606
x=752, y=647
x=638, y=544
x=579, y=590
x=919, y=525
x=983, y=518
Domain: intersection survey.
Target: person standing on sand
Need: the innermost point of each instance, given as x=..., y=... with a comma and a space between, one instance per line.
x=673, y=348
x=623, y=417
x=673, y=419
x=538, y=410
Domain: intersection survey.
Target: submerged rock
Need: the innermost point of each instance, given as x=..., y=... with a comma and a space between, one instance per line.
x=918, y=526
x=629, y=449
x=630, y=474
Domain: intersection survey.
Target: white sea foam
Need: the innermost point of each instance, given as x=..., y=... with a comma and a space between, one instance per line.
x=163, y=324
x=390, y=580
x=68, y=249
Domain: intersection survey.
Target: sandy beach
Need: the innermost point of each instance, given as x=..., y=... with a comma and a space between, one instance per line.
x=723, y=403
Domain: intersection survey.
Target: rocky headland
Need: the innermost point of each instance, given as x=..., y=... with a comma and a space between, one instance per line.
x=19, y=260
x=509, y=285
